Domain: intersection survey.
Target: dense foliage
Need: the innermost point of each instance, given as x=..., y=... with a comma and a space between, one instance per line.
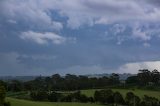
x=60, y=97
x=52, y=89
x=145, y=78
x=70, y=82
x=3, y=95
x=100, y=96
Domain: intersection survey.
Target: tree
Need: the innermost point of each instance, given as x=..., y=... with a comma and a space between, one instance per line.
x=67, y=98
x=118, y=99
x=15, y=86
x=132, y=80
x=71, y=82
x=2, y=95
x=38, y=95
x=76, y=96
x=2, y=83
x=96, y=96
x=83, y=82
x=104, y=96
x=54, y=97
x=114, y=79
x=144, y=76
x=91, y=99
x=83, y=98
x=132, y=100
x=155, y=76
x=137, y=101
x=151, y=101
x=129, y=98
x=68, y=82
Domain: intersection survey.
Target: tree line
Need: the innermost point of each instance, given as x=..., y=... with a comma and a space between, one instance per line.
x=57, y=82
x=145, y=77
x=130, y=99
x=45, y=88
x=3, y=95
x=105, y=97
x=73, y=82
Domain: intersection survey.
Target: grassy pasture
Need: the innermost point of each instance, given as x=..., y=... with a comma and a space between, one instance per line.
x=18, y=102
x=137, y=92
x=90, y=93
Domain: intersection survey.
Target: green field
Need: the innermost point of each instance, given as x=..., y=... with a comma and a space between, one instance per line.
x=18, y=102
x=90, y=93
x=137, y=92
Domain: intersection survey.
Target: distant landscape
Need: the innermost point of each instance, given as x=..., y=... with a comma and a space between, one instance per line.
x=27, y=78
x=79, y=52
x=142, y=89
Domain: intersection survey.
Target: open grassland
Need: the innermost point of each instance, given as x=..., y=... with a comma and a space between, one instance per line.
x=137, y=92
x=90, y=93
x=18, y=102
x=21, y=95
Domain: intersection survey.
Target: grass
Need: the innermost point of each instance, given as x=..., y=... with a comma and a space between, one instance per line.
x=18, y=102
x=19, y=95
x=137, y=92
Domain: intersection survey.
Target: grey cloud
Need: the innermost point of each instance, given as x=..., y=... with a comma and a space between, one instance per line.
x=154, y=2
x=43, y=38
x=81, y=12
x=29, y=12
x=26, y=23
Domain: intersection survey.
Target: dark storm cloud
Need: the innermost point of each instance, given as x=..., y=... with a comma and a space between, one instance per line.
x=43, y=37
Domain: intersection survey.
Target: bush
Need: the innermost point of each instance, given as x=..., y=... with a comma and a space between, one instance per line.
x=54, y=97
x=151, y=101
x=132, y=99
x=91, y=99
x=2, y=96
x=118, y=99
x=67, y=98
x=104, y=96
x=7, y=104
x=129, y=98
x=76, y=97
x=39, y=95
x=83, y=98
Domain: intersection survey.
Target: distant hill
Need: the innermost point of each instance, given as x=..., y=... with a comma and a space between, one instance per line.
x=122, y=76
x=20, y=78
x=28, y=78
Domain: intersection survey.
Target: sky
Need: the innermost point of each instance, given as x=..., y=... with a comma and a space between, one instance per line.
x=45, y=37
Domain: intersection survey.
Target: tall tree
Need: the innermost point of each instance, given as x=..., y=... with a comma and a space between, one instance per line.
x=2, y=95
x=114, y=79
x=144, y=76
x=118, y=99
x=155, y=77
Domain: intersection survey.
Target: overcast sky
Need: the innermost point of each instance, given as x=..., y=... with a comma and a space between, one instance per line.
x=78, y=36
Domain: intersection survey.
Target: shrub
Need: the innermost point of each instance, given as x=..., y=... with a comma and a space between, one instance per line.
x=67, y=98
x=83, y=98
x=132, y=100
x=39, y=95
x=91, y=99
x=2, y=96
x=54, y=97
x=104, y=96
x=118, y=99
x=151, y=101
x=7, y=104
